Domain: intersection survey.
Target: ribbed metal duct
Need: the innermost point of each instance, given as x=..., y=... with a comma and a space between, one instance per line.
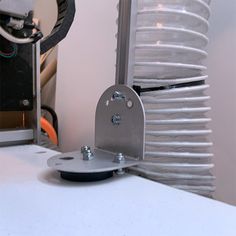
x=170, y=42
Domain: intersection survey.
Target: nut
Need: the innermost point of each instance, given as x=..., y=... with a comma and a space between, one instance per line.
x=88, y=156
x=118, y=96
x=116, y=119
x=119, y=158
x=120, y=172
x=85, y=149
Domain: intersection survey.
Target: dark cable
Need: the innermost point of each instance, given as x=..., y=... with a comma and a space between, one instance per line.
x=65, y=18
x=140, y=90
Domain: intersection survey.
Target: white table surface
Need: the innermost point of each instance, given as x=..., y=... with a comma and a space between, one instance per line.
x=34, y=201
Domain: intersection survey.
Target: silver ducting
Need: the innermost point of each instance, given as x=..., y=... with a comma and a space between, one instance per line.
x=169, y=49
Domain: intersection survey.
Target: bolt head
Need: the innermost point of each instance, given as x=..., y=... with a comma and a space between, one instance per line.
x=85, y=149
x=116, y=119
x=118, y=95
x=25, y=102
x=119, y=158
x=88, y=156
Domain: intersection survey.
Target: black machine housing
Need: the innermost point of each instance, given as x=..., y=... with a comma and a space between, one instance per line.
x=16, y=60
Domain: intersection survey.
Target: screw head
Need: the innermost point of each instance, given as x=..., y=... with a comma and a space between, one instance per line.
x=118, y=96
x=25, y=102
x=85, y=149
x=116, y=119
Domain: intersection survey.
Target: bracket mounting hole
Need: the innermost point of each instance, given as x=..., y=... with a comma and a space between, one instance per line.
x=130, y=104
x=67, y=158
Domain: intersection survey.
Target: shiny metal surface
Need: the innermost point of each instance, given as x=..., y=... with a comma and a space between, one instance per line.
x=118, y=146
x=128, y=136
x=125, y=41
x=12, y=136
x=103, y=161
x=37, y=101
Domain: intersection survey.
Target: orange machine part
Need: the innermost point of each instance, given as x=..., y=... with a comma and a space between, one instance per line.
x=48, y=128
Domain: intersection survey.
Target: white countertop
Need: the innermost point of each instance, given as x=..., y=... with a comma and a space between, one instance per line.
x=34, y=201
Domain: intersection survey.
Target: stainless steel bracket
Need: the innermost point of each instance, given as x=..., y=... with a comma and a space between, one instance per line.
x=120, y=121
x=102, y=161
x=119, y=136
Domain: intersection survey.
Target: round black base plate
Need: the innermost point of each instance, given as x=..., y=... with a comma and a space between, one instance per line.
x=86, y=177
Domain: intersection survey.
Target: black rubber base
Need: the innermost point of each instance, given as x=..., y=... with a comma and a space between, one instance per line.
x=86, y=177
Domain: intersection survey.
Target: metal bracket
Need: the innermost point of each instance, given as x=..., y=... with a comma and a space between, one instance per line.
x=120, y=122
x=119, y=138
x=103, y=161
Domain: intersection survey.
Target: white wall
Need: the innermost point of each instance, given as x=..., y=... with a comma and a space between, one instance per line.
x=87, y=68
x=46, y=12
x=222, y=78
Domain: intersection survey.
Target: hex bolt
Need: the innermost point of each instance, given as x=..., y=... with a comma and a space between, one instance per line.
x=88, y=156
x=119, y=158
x=85, y=149
x=120, y=172
x=118, y=96
x=116, y=119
